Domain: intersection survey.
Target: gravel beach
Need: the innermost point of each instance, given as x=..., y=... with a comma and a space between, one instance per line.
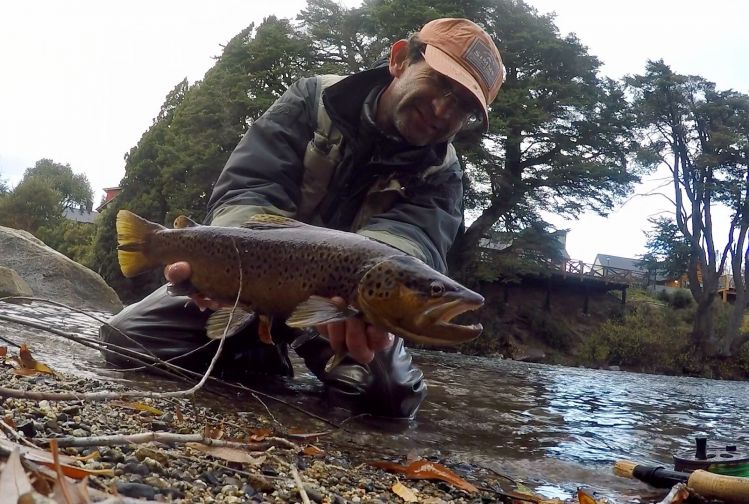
x=256, y=460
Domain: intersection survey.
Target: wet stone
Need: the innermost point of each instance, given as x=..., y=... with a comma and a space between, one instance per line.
x=72, y=410
x=210, y=478
x=134, y=468
x=28, y=428
x=136, y=490
x=80, y=433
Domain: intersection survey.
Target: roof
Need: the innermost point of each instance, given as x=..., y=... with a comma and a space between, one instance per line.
x=80, y=215
x=625, y=263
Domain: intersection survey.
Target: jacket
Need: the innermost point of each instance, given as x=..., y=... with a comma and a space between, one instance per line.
x=408, y=197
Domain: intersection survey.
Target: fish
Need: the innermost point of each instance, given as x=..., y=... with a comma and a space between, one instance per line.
x=278, y=268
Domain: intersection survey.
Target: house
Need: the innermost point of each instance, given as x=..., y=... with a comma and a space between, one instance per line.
x=549, y=248
x=620, y=269
x=109, y=194
x=80, y=215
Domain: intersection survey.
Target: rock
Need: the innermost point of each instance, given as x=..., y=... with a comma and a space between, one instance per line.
x=11, y=284
x=51, y=275
x=136, y=490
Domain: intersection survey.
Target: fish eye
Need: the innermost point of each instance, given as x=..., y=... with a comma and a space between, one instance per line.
x=436, y=289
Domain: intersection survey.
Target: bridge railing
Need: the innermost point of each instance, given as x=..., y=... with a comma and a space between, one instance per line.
x=599, y=272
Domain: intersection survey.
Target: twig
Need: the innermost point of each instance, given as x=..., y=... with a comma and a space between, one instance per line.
x=11, y=343
x=82, y=312
x=299, y=484
x=98, y=345
x=18, y=437
x=167, y=437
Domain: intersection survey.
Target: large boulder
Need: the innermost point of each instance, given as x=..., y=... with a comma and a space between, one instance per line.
x=51, y=275
x=13, y=285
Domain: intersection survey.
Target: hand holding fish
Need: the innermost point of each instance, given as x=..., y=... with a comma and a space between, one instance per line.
x=179, y=272
x=361, y=340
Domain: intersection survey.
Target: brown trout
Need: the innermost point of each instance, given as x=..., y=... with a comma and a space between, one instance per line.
x=291, y=270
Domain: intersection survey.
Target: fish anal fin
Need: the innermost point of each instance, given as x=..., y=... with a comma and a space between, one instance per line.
x=270, y=221
x=265, y=324
x=184, y=221
x=223, y=320
x=319, y=310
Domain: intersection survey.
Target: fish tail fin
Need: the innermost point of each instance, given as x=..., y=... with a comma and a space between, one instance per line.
x=133, y=236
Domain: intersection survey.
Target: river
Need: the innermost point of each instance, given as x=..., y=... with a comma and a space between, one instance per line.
x=555, y=428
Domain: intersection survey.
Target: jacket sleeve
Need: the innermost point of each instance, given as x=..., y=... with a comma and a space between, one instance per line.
x=264, y=173
x=426, y=222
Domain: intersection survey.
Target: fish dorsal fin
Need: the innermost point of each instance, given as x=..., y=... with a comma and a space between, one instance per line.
x=319, y=310
x=270, y=221
x=184, y=221
x=217, y=323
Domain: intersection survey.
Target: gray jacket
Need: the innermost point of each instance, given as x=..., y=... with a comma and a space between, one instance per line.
x=408, y=197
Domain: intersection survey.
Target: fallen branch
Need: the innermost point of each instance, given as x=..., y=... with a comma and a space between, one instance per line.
x=167, y=437
x=299, y=484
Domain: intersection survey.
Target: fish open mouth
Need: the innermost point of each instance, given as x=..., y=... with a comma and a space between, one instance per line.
x=437, y=326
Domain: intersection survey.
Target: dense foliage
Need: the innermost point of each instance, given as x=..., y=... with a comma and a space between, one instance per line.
x=559, y=139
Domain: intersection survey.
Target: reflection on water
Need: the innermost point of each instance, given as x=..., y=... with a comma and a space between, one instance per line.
x=555, y=427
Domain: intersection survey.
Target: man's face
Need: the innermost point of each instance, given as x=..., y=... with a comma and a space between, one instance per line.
x=428, y=107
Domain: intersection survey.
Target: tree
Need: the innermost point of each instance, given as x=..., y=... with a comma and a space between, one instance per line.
x=172, y=169
x=559, y=134
x=667, y=249
x=31, y=205
x=74, y=189
x=700, y=134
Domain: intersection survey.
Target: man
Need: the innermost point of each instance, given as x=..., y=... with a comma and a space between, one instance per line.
x=373, y=158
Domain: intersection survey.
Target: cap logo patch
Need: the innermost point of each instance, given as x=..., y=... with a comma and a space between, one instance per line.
x=481, y=58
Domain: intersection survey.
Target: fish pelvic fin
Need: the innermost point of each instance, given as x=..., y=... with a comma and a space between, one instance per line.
x=319, y=310
x=133, y=235
x=224, y=320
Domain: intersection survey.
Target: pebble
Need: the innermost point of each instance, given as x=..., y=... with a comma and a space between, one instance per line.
x=136, y=490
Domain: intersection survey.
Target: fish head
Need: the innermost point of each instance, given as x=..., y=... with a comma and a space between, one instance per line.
x=408, y=298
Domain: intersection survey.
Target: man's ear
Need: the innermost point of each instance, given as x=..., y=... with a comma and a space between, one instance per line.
x=398, y=58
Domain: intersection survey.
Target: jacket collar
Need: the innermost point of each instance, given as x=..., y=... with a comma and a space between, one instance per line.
x=351, y=103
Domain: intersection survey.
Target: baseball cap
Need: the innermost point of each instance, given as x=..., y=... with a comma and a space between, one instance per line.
x=461, y=50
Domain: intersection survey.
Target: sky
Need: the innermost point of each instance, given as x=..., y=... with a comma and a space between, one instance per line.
x=81, y=81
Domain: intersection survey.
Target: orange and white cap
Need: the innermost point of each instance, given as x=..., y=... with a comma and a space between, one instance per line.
x=461, y=50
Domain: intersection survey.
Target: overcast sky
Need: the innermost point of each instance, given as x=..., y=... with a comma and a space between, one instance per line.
x=80, y=81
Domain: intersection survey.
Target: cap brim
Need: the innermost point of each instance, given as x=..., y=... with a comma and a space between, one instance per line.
x=444, y=64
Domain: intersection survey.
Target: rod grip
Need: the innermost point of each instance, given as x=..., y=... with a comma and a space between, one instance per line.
x=731, y=489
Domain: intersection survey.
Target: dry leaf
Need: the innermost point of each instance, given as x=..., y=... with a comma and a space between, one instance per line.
x=178, y=414
x=260, y=434
x=299, y=434
x=313, y=451
x=138, y=406
x=404, y=492
x=212, y=432
x=424, y=469
x=228, y=454
x=3, y=351
x=584, y=497
x=46, y=458
x=27, y=361
x=65, y=491
x=13, y=480
x=678, y=495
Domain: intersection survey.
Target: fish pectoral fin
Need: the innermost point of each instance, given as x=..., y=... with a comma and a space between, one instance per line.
x=319, y=310
x=224, y=320
x=263, y=329
x=270, y=221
